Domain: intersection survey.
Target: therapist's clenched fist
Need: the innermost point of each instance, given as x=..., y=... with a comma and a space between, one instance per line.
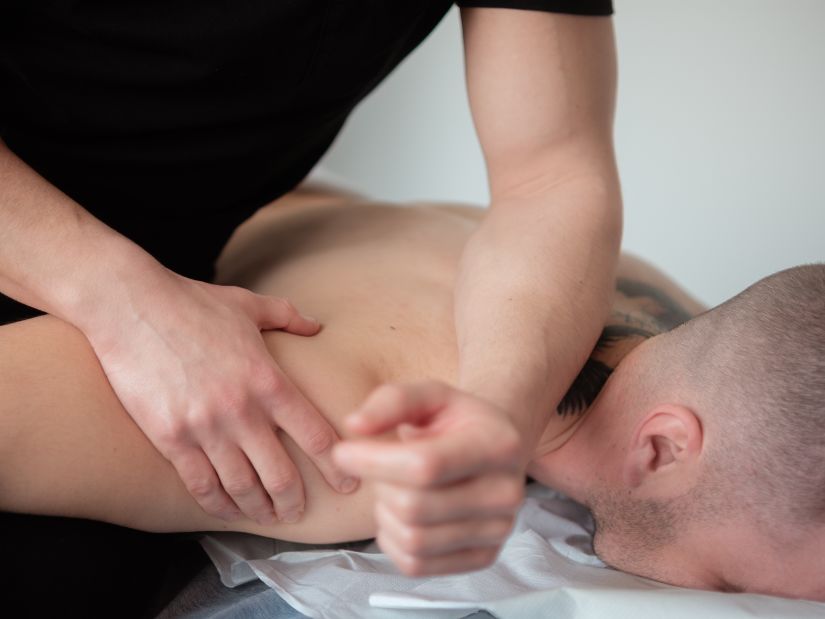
x=189, y=364
x=447, y=491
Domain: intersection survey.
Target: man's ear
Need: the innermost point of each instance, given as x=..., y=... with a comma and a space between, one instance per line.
x=666, y=444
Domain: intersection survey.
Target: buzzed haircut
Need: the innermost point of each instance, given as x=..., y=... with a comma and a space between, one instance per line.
x=757, y=365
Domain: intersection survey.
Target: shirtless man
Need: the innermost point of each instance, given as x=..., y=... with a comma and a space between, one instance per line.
x=674, y=483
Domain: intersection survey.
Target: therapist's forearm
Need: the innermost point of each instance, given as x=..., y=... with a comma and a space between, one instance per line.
x=533, y=291
x=56, y=256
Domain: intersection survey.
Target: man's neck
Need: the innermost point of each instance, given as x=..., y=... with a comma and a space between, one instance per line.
x=641, y=310
x=558, y=468
x=571, y=466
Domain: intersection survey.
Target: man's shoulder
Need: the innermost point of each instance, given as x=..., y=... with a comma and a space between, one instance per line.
x=653, y=295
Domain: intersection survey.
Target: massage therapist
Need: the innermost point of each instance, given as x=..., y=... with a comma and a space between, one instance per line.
x=136, y=136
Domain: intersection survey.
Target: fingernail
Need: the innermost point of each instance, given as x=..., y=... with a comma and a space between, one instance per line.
x=291, y=517
x=349, y=484
x=266, y=519
x=311, y=319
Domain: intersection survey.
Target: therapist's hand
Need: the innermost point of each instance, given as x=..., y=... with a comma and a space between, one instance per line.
x=447, y=491
x=188, y=362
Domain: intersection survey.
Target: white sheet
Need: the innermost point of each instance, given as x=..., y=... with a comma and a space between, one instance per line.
x=546, y=569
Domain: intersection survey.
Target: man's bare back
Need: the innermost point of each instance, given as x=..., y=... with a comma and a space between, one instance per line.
x=380, y=279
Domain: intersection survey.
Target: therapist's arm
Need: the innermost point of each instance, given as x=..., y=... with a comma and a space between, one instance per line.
x=532, y=294
x=185, y=358
x=536, y=279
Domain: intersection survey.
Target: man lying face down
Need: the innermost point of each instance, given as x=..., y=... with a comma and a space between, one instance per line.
x=703, y=458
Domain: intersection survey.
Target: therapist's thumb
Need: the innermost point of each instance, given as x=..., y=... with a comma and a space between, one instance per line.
x=391, y=405
x=279, y=313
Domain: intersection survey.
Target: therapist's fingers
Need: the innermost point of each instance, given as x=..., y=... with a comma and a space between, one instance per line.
x=428, y=542
x=278, y=313
x=240, y=481
x=458, y=561
x=298, y=418
x=430, y=461
x=277, y=473
x=202, y=482
x=390, y=405
x=454, y=435
x=490, y=496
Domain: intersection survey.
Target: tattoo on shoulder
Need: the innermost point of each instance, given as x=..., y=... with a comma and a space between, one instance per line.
x=661, y=313
x=662, y=307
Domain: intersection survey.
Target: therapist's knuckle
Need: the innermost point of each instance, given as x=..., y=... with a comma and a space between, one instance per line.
x=412, y=565
x=499, y=529
x=507, y=447
x=285, y=306
x=281, y=482
x=413, y=540
x=424, y=470
x=170, y=436
x=266, y=380
x=509, y=497
x=235, y=417
x=231, y=402
x=319, y=442
x=483, y=557
x=409, y=508
x=201, y=487
x=240, y=485
x=203, y=422
x=406, y=563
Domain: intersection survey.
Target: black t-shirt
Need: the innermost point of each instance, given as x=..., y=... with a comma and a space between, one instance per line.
x=172, y=121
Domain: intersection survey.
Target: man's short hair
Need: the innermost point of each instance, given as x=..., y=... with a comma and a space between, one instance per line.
x=756, y=367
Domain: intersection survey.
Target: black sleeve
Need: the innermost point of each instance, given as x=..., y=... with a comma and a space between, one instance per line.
x=574, y=7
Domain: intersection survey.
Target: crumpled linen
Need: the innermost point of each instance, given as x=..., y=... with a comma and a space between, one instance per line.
x=546, y=569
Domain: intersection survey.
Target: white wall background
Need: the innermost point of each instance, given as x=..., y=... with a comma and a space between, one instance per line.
x=720, y=135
